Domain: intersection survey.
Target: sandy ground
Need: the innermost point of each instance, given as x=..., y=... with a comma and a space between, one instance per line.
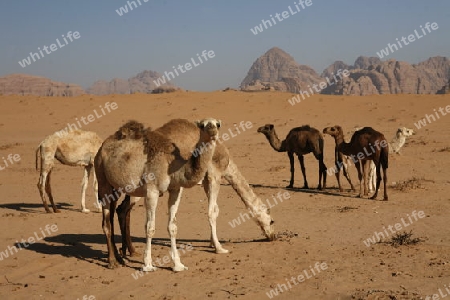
x=325, y=227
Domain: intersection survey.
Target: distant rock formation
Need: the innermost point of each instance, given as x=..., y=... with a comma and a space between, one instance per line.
x=23, y=84
x=445, y=89
x=277, y=70
x=395, y=77
x=141, y=83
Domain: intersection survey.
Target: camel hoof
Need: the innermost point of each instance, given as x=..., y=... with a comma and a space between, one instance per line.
x=48, y=211
x=222, y=251
x=85, y=210
x=113, y=265
x=57, y=211
x=179, y=268
x=290, y=186
x=149, y=268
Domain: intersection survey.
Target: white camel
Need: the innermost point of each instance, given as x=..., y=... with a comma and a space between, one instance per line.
x=71, y=148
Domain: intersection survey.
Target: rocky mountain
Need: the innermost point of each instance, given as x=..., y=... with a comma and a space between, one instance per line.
x=23, y=84
x=277, y=70
x=141, y=83
x=395, y=77
x=445, y=89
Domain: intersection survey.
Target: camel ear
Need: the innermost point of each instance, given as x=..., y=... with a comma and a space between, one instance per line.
x=219, y=123
x=270, y=126
x=199, y=124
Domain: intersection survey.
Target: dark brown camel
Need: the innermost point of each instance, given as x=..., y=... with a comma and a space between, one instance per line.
x=366, y=144
x=299, y=141
x=341, y=161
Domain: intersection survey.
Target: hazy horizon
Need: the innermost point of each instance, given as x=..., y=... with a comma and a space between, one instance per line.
x=159, y=35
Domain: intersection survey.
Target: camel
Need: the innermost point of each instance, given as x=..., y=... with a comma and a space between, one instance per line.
x=170, y=158
x=361, y=143
x=299, y=141
x=341, y=161
x=71, y=148
x=397, y=142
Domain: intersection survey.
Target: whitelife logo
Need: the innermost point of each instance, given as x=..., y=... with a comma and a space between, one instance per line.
x=53, y=47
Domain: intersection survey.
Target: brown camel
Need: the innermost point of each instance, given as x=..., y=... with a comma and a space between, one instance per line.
x=299, y=141
x=174, y=156
x=366, y=145
x=72, y=148
x=341, y=161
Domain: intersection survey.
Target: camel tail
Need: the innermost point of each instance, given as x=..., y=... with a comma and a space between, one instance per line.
x=384, y=157
x=38, y=150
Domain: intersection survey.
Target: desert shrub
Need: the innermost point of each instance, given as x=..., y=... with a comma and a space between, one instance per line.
x=410, y=184
x=404, y=238
x=164, y=89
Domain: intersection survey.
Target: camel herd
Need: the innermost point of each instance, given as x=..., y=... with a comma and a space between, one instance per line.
x=141, y=162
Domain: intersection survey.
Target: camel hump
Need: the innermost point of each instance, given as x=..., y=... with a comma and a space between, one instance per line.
x=367, y=130
x=306, y=128
x=133, y=130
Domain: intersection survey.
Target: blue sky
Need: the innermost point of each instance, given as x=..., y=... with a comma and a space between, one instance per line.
x=162, y=33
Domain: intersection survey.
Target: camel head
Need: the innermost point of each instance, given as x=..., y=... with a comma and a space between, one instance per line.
x=403, y=131
x=265, y=221
x=267, y=129
x=209, y=128
x=334, y=131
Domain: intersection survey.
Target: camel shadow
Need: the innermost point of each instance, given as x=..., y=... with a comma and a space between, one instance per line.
x=328, y=191
x=35, y=207
x=77, y=245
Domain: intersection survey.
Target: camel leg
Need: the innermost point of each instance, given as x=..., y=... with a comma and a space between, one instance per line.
x=358, y=166
x=372, y=177
x=151, y=202
x=108, y=228
x=174, y=202
x=95, y=185
x=48, y=189
x=338, y=164
x=211, y=185
x=42, y=189
x=347, y=175
x=366, y=166
x=124, y=215
x=84, y=184
x=384, y=184
x=322, y=173
x=291, y=162
x=302, y=166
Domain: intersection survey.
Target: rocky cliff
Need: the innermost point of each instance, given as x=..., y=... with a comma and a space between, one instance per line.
x=23, y=84
x=277, y=70
x=141, y=83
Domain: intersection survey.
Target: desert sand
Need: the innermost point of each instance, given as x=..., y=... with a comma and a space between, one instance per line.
x=325, y=227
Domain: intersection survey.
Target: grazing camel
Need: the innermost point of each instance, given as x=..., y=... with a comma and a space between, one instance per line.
x=222, y=166
x=72, y=148
x=361, y=149
x=299, y=141
x=174, y=156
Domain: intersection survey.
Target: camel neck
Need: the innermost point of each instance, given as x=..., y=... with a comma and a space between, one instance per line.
x=199, y=162
x=275, y=142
